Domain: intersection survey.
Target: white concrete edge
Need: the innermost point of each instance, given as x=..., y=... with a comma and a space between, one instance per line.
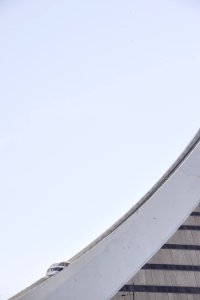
x=157, y=185
x=79, y=275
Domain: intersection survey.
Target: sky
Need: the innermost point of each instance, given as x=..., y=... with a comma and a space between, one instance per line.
x=97, y=100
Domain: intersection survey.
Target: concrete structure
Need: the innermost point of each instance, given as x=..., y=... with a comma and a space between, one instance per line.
x=126, y=252
x=174, y=271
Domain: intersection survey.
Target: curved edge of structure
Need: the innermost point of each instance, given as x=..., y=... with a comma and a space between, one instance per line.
x=157, y=185
x=104, y=265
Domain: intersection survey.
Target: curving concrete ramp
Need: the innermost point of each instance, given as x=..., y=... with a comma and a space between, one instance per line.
x=100, y=270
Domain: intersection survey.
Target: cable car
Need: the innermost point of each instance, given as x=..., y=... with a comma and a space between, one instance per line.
x=57, y=267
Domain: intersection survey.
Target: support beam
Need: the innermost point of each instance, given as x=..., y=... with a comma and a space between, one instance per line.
x=102, y=268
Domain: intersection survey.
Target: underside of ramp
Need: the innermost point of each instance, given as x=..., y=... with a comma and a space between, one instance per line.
x=140, y=254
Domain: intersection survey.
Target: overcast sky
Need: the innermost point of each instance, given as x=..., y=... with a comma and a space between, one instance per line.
x=97, y=100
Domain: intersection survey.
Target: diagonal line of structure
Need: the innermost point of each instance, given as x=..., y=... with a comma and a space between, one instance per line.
x=105, y=266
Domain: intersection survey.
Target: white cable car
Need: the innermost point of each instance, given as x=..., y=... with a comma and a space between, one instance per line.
x=57, y=267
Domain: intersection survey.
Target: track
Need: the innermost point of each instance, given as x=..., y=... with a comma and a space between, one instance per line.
x=102, y=268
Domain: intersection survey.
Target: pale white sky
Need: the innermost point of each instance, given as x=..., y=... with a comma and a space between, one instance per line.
x=97, y=99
